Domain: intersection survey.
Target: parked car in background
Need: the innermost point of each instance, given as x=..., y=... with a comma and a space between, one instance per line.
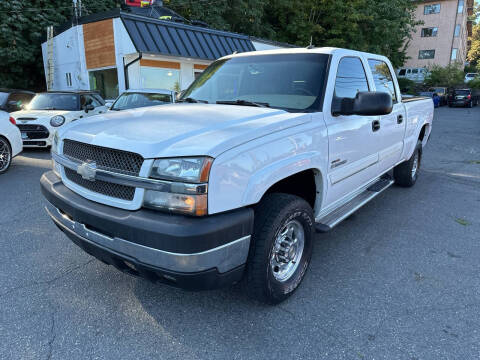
x=415, y=74
x=14, y=100
x=470, y=76
x=433, y=95
x=50, y=110
x=132, y=99
x=10, y=141
x=264, y=149
x=464, y=97
x=442, y=92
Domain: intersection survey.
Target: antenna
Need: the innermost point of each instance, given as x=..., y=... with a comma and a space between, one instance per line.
x=311, y=46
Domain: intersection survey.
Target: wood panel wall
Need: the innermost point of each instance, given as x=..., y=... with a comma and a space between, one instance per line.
x=160, y=64
x=99, y=44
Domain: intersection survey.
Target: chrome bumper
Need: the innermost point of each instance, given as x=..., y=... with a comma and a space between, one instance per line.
x=224, y=258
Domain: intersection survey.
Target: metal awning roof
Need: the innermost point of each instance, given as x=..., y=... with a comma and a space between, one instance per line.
x=169, y=38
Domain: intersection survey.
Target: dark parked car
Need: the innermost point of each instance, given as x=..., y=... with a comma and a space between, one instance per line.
x=13, y=100
x=464, y=97
x=436, y=99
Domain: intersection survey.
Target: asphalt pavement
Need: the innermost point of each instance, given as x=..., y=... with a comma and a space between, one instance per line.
x=397, y=280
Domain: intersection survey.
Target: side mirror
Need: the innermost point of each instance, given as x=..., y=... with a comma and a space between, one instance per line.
x=89, y=107
x=108, y=104
x=371, y=103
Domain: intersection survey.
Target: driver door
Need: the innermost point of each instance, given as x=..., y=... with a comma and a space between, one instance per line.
x=353, y=140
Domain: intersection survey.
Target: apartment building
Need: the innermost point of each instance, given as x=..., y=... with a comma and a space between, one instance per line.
x=443, y=36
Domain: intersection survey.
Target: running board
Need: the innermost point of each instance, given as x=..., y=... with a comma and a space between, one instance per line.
x=329, y=221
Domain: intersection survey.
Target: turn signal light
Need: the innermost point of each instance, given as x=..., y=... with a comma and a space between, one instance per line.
x=12, y=120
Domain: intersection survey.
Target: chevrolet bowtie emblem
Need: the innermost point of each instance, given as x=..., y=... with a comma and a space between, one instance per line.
x=87, y=170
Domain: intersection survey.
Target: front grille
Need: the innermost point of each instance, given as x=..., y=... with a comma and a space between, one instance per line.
x=114, y=160
x=34, y=132
x=101, y=187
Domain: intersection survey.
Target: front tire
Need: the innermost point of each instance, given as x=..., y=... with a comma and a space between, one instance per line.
x=5, y=155
x=281, y=249
x=406, y=173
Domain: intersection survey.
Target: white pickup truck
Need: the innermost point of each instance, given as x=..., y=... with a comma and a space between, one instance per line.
x=264, y=149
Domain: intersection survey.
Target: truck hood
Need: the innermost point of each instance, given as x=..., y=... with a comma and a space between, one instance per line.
x=181, y=129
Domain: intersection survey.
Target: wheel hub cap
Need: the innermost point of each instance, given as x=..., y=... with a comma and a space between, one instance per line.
x=287, y=251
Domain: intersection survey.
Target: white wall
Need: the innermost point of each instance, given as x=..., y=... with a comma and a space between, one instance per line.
x=69, y=57
x=123, y=47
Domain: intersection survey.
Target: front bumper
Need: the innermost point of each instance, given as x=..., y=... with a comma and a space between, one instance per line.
x=192, y=253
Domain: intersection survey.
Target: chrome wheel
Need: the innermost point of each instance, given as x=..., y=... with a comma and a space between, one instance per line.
x=5, y=155
x=287, y=251
x=415, y=165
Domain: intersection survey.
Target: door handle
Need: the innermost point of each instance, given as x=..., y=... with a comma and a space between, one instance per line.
x=399, y=119
x=375, y=125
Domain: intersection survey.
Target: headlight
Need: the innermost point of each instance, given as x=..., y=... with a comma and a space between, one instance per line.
x=179, y=203
x=57, y=120
x=188, y=191
x=194, y=170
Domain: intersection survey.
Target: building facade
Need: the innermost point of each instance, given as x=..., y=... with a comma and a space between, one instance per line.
x=115, y=51
x=443, y=36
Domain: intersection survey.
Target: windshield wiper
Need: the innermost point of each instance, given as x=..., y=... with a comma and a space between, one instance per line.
x=192, y=100
x=243, y=103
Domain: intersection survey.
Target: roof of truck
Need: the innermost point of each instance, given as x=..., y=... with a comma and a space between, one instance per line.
x=298, y=50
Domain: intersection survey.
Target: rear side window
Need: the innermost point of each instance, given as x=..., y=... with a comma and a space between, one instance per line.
x=351, y=78
x=382, y=77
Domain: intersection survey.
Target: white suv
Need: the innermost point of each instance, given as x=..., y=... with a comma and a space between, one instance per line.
x=471, y=76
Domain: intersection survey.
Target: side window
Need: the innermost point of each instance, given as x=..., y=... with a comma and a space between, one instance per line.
x=351, y=78
x=382, y=77
x=89, y=99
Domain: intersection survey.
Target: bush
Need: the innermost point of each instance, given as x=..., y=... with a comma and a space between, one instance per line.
x=474, y=84
x=449, y=76
x=407, y=85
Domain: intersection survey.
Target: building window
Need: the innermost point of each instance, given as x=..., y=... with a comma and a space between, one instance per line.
x=429, y=32
x=457, y=30
x=431, y=9
x=461, y=4
x=426, y=54
x=454, y=54
x=68, y=77
x=105, y=82
x=160, y=78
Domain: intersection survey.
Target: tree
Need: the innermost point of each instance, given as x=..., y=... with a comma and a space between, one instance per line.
x=474, y=53
x=23, y=29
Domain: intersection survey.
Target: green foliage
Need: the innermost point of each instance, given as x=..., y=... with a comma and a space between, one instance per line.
x=474, y=84
x=474, y=53
x=23, y=27
x=449, y=76
x=407, y=86
x=377, y=26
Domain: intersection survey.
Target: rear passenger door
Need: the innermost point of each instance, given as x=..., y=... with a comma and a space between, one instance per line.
x=353, y=144
x=392, y=126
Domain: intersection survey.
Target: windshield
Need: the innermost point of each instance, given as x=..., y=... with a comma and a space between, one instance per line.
x=293, y=82
x=462, y=92
x=54, y=102
x=3, y=97
x=136, y=100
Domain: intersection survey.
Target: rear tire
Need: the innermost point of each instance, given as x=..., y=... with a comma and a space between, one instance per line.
x=406, y=173
x=5, y=155
x=281, y=249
